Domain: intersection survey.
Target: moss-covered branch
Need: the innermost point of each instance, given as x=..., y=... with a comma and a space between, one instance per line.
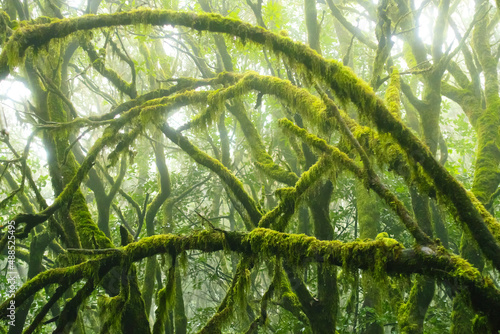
x=148, y=111
x=370, y=179
x=381, y=255
x=111, y=75
x=279, y=217
x=216, y=106
x=216, y=166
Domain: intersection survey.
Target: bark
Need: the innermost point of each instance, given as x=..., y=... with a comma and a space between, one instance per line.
x=385, y=254
x=368, y=213
x=486, y=173
x=313, y=28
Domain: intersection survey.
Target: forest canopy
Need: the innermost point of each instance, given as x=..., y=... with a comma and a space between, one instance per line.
x=252, y=166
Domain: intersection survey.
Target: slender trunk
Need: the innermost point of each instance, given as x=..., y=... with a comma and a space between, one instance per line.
x=368, y=220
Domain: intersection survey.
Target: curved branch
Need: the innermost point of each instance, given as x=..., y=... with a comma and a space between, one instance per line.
x=346, y=85
x=111, y=75
x=382, y=254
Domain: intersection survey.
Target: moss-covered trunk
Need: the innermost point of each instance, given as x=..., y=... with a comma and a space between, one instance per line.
x=324, y=319
x=368, y=213
x=412, y=313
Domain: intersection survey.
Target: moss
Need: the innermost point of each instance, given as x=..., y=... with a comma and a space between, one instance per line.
x=240, y=292
x=216, y=23
x=133, y=314
x=216, y=166
x=378, y=252
x=487, y=173
x=215, y=102
x=239, y=86
x=371, y=180
x=490, y=222
x=123, y=145
x=90, y=235
x=322, y=168
x=381, y=256
x=5, y=23
x=406, y=325
x=161, y=312
x=234, y=296
x=317, y=143
x=392, y=94
x=368, y=212
x=109, y=136
x=461, y=317
x=108, y=315
x=289, y=197
x=164, y=300
x=408, y=56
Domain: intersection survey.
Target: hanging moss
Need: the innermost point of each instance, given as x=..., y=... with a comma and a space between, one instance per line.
x=108, y=313
x=239, y=86
x=370, y=179
x=202, y=158
x=98, y=62
x=279, y=217
x=124, y=145
x=147, y=111
x=234, y=297
x=165, y=298
x=5, y=23
x=480, y=325
x=133, y=315
x=383, y=256
x=313, y=110
x=215, y=102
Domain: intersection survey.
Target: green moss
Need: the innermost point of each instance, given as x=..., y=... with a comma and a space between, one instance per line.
x=4, y=24
x=480, y=325
x=487, y=173
x=216, y=166
x=490, y=222
x=289, y=197
x=392, y=98
x=371, y=180
x=124, y=144
x=108, y=313
x=215, y=102
x=408, y=56
x=165, y=299
x=461, y=317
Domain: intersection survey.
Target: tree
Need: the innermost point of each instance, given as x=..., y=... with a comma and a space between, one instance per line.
x=209, y=174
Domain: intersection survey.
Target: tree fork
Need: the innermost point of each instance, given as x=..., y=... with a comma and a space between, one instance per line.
x=379, y=255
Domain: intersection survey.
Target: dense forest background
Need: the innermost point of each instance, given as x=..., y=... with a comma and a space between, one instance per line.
x=249, y=166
